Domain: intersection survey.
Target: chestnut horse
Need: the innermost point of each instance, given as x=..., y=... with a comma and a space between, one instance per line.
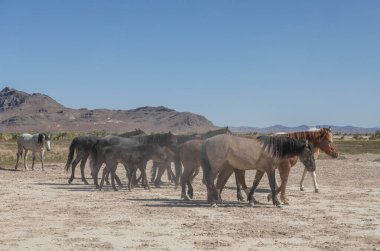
x=320, y=139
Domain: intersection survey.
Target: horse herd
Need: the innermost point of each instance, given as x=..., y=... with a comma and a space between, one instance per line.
x=218, y=152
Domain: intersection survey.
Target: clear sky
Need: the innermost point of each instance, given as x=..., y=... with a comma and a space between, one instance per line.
x=252, y=63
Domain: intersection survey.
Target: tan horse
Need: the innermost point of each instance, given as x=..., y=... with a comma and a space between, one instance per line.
x=262, y=154
x=321, y=139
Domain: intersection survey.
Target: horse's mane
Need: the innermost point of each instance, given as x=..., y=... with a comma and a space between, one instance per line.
x=159, y=138
x=282, y=146
x=312, y=136
x=132, y=133
x=209, y=134
x=186, y=137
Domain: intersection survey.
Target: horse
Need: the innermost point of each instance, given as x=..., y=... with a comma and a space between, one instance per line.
x=177, y=158
x=160, y=167
x=36, y=143
x=83, y=145
x=98, y=155
x=262, y=154
x=320, y=139
x=132, y=157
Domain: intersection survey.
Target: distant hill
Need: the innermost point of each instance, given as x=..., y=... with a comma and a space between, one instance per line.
x=23, y=112
x=281, y=128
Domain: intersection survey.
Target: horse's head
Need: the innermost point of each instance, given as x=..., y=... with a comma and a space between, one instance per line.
x=307, y=157
x=327, y=145
x=44, y=140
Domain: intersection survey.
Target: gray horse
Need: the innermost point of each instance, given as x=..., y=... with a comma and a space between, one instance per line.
x=132, y=157
x=97, y=157
x=82, y=145
x=35, y=143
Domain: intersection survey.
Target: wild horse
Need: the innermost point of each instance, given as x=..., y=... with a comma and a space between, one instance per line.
x=320, y=139
x=82, y=145
x=98, y=151
x=36, y=143
x=132, y=157
x=262, y=154
x=160, y=167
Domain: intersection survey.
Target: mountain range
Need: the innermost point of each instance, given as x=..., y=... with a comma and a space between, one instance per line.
x=24, y=112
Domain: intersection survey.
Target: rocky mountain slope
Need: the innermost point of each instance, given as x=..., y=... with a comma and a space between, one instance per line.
x=23, y=112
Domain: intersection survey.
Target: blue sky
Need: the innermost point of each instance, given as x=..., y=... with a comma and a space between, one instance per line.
x=253, y=63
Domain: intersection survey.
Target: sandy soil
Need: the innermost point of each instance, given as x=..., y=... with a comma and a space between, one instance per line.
x=41, y=211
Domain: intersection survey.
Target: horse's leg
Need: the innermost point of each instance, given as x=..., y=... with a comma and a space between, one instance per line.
x=161, y=169
x=188, y=169
x=103, y=177
x=212, y=192
x=143, y=173
x=19, y=153
x=272, y=182
x=26, y=153
x=113, y=173
x=302, y=188
x=82, y=166
x=284, y=171
x=154, y=172
x=106, y=179
x=73, y=165
x=240, y=181
x=42, y=159
x=171, y=176
x=33, y=159
x=252, y=201
x=129, y=176
x=222, y=179
x=196, y=172
x=314, y=176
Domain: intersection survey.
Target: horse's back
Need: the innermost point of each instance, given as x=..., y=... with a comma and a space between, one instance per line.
x=239, y=152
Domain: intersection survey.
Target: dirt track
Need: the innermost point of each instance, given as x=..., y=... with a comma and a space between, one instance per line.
x=40, y=211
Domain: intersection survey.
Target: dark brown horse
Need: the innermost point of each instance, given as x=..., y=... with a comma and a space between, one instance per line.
x=262, y=154
x=320, y=139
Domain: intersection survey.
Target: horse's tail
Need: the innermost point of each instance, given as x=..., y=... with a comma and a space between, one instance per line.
x=71, y=153
x=178, y=167
x=205, y=163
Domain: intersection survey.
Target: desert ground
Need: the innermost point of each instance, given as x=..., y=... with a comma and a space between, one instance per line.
x=41, y=211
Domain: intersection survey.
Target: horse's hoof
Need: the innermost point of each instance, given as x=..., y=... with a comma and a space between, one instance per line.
x=69, y=181
x=286, y=203
x=317, y=190
x=251, y=204
x=86, y=183
x=278, y=205
x=214, y=205
x=186, y=198
x=269, y=197
x=240, y=197
x=302, y=188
